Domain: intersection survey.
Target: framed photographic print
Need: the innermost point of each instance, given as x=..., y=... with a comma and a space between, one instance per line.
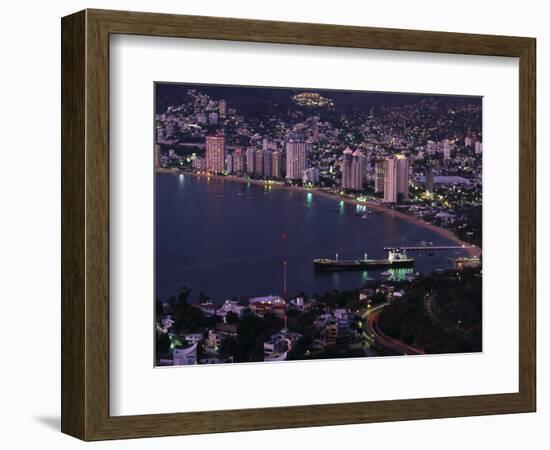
x=270, y=224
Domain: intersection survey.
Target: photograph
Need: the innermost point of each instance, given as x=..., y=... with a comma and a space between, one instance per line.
x=306, y=224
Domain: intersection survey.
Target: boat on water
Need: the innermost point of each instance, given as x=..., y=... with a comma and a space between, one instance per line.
x=464, y=262
x=366, y=214
x=397, y=258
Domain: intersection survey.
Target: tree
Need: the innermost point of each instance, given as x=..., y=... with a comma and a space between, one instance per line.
x=231, y=317
x=300, y=348
x=171, y=302
x=203, y=297
x=162, y=343
x=159, y=308
x=378, y=297
x=188, y=318
x=252, y=331
x=183, y=296
x=228, y=347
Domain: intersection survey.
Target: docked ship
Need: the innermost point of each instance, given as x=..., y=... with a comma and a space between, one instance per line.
x=464, y=262
x=397, y=258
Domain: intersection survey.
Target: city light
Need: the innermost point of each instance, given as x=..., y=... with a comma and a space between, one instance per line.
x=269, y=277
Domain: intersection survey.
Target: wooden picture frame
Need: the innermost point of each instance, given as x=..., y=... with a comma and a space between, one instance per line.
x=85, y=224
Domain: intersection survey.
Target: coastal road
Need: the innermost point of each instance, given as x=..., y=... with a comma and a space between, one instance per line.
x=394, y=345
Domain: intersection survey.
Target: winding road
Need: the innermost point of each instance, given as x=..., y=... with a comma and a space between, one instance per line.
x=371, y=319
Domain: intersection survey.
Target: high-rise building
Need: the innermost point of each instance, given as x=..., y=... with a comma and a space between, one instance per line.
x=430, y=147
x=160, y=133
x=310, y=175
x=469, y=141
x=238, y=161
x=222, y=107
x=403, y=176
x=296, y=159
x=447, y=148
x=213, y=118
x=353, y=167
x=259, y=163
x=171, y=129
x=215, y=153
x=390, y=180
x=267, y=163
x=250, y=160
x=358, y=166
x=157, y=156
x=429, y=179
x=276, y=164
x=379, y=169
x=478, y=147
x=345, y=166
x=229, y=164
x=396, y=179
x=199, y=164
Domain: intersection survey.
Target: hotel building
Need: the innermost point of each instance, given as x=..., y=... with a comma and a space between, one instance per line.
x=396, y=179
x=238, y=161
x=276, y=164
x=215, y=154
x=296, y=159
x=353, y=170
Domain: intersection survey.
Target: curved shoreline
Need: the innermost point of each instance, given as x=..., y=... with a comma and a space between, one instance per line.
x=471, y=250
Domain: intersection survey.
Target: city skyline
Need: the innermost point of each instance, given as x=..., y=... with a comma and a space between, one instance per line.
x=263, y=174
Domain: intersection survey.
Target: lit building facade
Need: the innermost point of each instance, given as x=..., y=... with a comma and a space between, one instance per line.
x=379, y=170
x=353, y=167
x=390, y=181
x=447, y=149
x=296, y=159
x=276, y=164
x=267, y=163
x=185, y=356
x=238, y=161
x=396, y=179
x=250, y=160
x=357, y=170
x=222, y=108
x=229, y=165
x=345, y=167
x=403, y=165
x=215, y=154
x=429, y=180
x=259, y=163
x=311, y=175
x=157, y=156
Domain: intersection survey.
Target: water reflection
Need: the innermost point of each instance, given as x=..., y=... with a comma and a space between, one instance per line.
x=401, y=274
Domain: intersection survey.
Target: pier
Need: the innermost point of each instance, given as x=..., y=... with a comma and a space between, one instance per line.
x=422, y=248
